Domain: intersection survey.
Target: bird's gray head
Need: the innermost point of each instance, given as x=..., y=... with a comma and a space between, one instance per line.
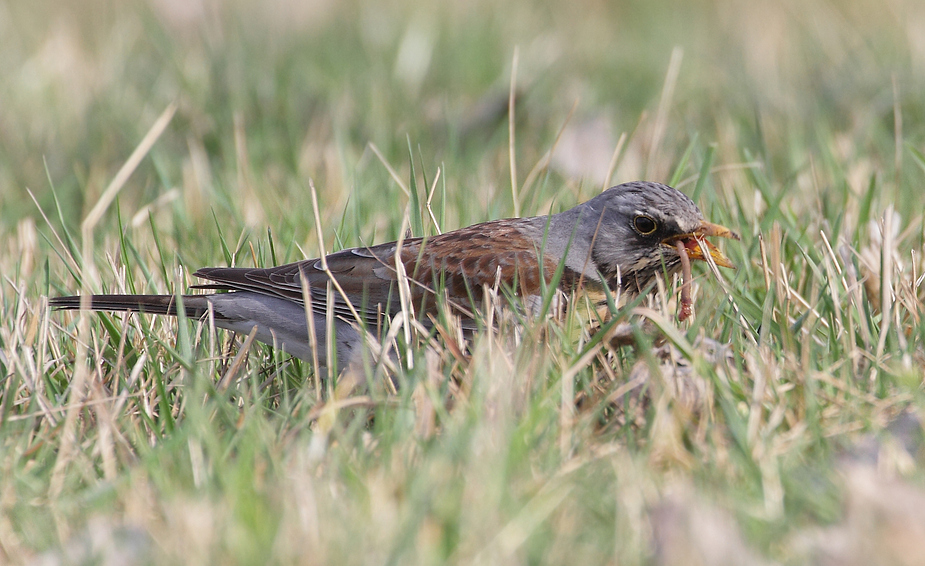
x=635, y=229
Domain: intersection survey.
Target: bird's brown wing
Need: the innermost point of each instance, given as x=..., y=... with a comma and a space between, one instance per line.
x=455, y=265
x=362, y=273
x=464, y=260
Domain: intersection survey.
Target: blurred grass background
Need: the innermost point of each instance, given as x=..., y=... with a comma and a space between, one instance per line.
x=800, y=122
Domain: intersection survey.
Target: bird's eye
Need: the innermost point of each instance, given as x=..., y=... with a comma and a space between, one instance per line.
x=645, y=225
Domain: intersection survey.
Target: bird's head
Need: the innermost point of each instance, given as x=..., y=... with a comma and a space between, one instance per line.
x=636, y=228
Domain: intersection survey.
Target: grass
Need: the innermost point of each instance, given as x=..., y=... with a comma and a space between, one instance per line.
x=782, y=424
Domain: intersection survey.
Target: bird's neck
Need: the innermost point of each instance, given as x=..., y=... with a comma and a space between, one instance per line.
x=559, y=236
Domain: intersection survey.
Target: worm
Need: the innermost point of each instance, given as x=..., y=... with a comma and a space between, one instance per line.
x=687, y=304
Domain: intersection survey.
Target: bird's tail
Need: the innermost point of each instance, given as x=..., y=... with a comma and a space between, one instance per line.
x=194, y=305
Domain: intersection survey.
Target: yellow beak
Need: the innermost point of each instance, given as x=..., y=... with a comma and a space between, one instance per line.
x=697, y=246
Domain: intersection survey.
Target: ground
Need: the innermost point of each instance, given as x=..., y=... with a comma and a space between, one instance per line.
x=782, y=424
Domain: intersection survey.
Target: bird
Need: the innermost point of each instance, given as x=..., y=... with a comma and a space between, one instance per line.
x=620, y=240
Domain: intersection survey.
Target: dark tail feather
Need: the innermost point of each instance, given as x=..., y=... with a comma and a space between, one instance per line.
x=194, y=305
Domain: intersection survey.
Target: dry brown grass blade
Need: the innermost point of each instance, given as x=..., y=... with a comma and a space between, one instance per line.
x=512, y=147
x=653, y=163
x=686, y=305
x=238, y=362
x=81, y=373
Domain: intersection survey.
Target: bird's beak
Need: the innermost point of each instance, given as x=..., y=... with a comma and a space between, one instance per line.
x=697, y=245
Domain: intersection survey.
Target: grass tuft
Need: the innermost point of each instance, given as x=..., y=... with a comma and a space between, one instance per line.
x=781, y=424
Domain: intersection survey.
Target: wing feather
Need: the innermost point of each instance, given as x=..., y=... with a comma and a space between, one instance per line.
x=456, y=263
